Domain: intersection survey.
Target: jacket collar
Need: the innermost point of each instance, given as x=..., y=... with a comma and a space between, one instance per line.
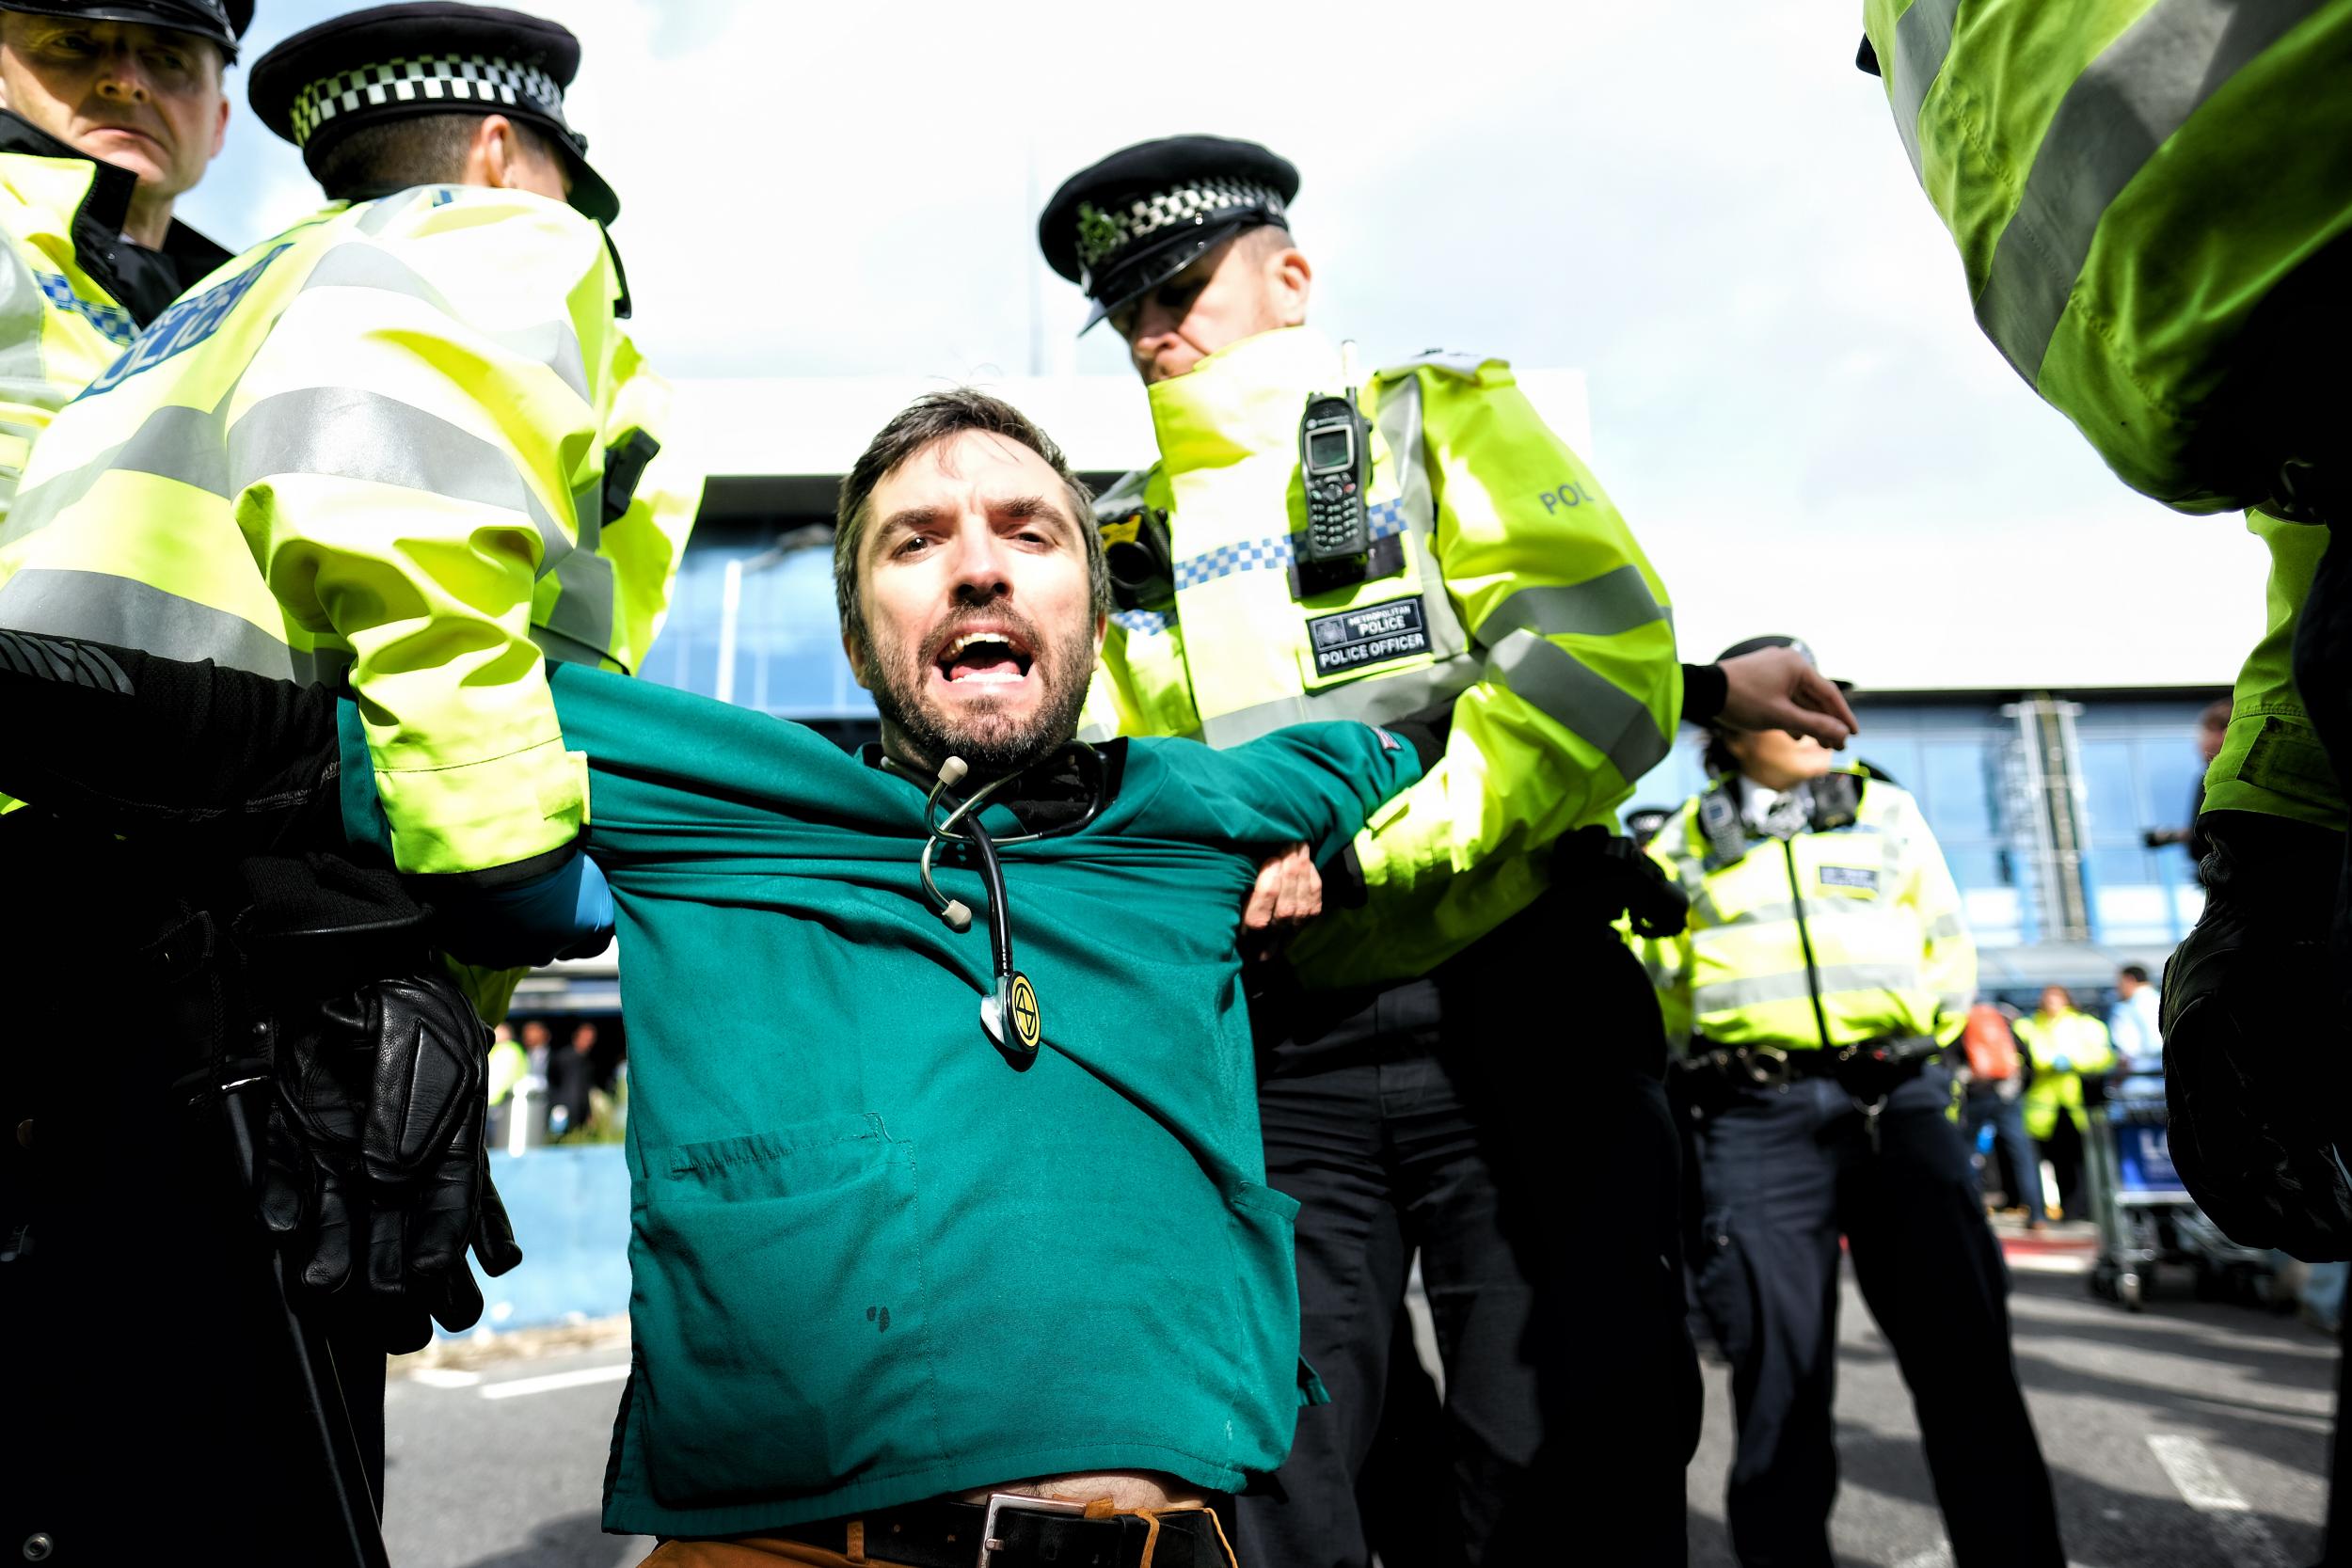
x=96, y=226
x=1244, y=400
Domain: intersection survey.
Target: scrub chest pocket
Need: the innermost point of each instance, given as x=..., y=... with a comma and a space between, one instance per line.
x=824, y=1216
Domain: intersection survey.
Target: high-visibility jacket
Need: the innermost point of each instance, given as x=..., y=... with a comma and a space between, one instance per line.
x=2081, y=1042
x=1516, y=595
x=71, y=298
x=2271, y=760
x=1841, y=934
x=373, y=450
x=2127, y=180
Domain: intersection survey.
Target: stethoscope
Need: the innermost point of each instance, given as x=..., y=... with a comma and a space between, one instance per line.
x=1011, y=1015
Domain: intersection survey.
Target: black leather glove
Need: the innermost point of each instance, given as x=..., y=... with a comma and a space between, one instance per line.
x=2258, y=1073
x=378, y=1179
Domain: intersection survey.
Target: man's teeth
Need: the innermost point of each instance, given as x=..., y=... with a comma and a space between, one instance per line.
x=969, y=637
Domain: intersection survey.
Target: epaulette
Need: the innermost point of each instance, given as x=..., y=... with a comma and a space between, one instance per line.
x=1453, y=361
x=1125, y=495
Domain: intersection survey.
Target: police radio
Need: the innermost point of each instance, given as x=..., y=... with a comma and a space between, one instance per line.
x=1335, y=463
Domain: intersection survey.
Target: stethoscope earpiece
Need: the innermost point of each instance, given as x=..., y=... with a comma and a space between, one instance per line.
x=958, y=915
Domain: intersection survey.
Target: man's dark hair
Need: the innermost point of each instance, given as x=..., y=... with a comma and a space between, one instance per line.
x=1715, y=754
x=2135, y=972
x=918, y=425
x=2215, y=716
x=415, y=149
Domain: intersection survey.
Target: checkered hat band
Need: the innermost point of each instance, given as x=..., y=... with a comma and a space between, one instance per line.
x=426, y=78
x=1102, y=233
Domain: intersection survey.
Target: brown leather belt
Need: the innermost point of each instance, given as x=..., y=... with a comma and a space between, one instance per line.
x=1013, y=1531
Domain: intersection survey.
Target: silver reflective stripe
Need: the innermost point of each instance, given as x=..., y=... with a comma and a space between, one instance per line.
x=1604, y=605
x=354, y=265
x=2127, y=103
x=583, y=610
x=344, y=433
x=1923, y=36
x=1375, y=699
x=1828, y=907
x=22, y=310
x=101, y=608
x=1582, y=700
x=172, y=442
x=1946, y=927
x=1789, y=986
x=380, y=214
x=1400, y=422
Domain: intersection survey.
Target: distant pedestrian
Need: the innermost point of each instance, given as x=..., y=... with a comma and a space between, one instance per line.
x=2066, y=1046
x=509, y=1064
x=2131, y=1026
x=2213, y=725
x=571, y=1082
x=1997, y=1081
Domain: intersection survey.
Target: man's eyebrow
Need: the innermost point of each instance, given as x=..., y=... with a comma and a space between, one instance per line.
x=1025, y=507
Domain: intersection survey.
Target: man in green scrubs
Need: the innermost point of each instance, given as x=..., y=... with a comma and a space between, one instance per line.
x=947, y=1226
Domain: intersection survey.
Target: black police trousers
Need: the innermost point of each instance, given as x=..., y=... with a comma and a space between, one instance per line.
x=1505, y=1119
x=1786, y=1173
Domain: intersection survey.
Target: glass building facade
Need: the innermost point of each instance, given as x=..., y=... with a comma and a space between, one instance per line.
x=2111, y=768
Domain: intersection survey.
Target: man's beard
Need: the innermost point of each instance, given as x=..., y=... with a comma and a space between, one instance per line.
x=990, y=741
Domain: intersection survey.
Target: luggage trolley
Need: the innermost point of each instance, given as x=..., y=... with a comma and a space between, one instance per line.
x=2135, y=1194
x=2146, y=1216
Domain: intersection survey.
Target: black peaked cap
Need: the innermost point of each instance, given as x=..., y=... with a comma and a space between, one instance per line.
x=223, y=22
x=389, y=62
x=1131, y=222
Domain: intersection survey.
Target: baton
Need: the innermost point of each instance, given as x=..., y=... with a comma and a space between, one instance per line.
x=314, y=1363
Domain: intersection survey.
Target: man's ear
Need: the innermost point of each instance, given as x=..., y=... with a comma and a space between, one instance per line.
x=1290, y=278
x=220, y=130
x=1101, y=626
x=492, y=158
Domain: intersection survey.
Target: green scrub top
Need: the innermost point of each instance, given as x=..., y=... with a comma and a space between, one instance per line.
x=871, y=1261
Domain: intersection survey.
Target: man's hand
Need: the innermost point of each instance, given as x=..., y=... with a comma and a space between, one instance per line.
x=1774, y=688
x=1289, y=893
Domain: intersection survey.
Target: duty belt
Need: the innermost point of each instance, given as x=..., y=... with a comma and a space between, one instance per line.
x=1014, y=1532
x=1870, y=1071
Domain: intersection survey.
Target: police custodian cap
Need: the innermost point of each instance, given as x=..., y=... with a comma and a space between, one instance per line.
x=223, y=22
x=1145, y=213
x=389, y=62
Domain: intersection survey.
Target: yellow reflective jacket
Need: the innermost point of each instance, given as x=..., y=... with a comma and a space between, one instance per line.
x=1848, y=931
x=2081, y=1042
x=373, y=450
x=66, y=309
x=2127, y=181
x=1509, y=592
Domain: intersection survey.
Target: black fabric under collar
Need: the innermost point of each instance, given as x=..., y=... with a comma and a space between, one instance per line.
x=142, y=281
x=1047, y=799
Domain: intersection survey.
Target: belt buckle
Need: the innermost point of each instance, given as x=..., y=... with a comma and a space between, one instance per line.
x=1767, y=1067
x=998, y=1502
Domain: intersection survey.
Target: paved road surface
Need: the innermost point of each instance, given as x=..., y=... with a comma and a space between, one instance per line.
x=2193, y=1436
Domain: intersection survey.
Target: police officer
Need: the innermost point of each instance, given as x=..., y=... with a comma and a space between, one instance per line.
x=441, y=345
x=1485, y=582
x=2156, y=216
x=1824, y=970
x=109, y=113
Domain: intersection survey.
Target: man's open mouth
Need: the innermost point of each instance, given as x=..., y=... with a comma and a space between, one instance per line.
x=990, y=657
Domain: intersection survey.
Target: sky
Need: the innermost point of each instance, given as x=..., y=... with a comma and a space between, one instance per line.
x=1706, y=209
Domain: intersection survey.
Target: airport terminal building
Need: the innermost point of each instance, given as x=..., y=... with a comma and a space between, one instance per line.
x=2039, y=762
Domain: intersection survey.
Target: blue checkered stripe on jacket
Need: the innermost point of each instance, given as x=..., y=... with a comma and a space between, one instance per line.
x=1273, y=553
x=113, y=320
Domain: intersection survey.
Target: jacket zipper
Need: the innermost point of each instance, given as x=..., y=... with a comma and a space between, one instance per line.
x=1805, y=941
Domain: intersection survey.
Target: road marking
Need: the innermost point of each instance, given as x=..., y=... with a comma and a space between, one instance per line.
x=444, y=1377
x=2242, y=1538
x=553, y=1380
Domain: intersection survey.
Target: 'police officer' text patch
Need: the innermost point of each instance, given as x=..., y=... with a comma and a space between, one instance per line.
x=1373, y=635
x=1849, y=875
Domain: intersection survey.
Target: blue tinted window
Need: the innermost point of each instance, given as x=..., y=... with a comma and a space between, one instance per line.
x=1956, y=789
